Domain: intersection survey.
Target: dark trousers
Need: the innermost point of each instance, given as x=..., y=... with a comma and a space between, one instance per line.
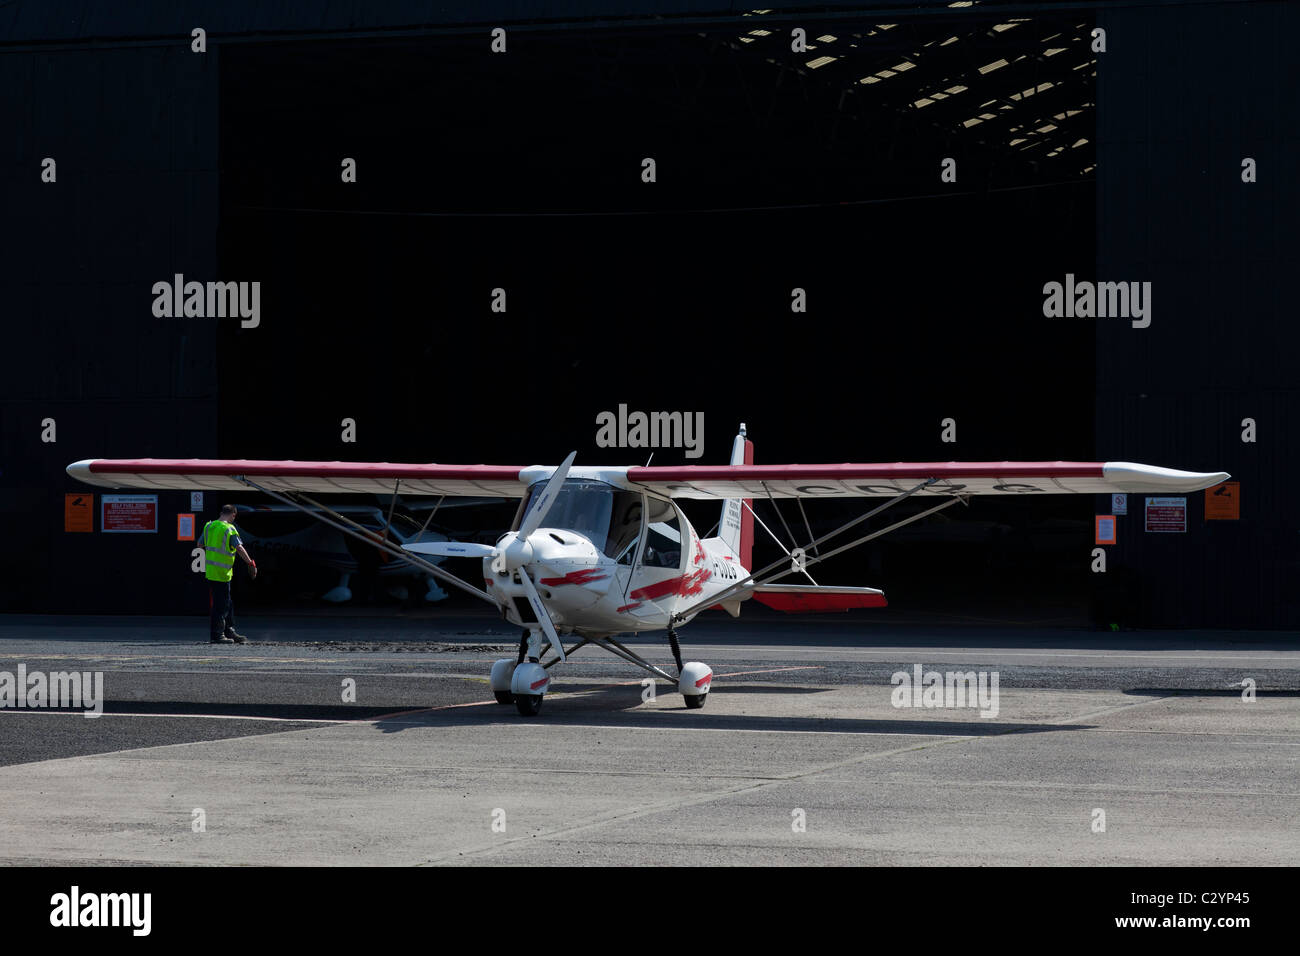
x=222, y=608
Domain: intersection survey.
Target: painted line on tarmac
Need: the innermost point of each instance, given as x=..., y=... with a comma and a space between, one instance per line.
x=81, y=713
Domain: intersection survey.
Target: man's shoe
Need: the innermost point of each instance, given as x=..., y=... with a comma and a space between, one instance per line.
x=236, y=638
x=221, y=640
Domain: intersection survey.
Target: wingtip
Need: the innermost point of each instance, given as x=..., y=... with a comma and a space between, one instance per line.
x=1153, y=479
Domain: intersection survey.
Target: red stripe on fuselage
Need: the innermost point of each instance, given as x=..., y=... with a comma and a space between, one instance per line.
x=687, y=584
x=575, y=577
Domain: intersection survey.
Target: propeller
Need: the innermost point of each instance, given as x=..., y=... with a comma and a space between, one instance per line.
x=513, y=551
x=451, y=549
x=541, y=505
x=540, y=612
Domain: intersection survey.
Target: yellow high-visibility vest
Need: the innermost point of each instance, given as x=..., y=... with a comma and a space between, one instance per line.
x=218, y=552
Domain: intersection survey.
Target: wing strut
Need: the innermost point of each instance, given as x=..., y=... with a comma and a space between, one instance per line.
x=778, y=541
x=423, y=527
x=799, y=502
x=794, y=542
x=391, y=505
x=342, y=524
x=782, y=567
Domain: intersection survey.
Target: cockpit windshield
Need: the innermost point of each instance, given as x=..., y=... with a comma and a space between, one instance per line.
x=608, y=517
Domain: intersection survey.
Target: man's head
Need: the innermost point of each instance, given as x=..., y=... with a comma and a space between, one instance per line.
x=228, y=512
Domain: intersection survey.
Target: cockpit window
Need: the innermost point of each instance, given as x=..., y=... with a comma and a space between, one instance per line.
x=663, y=546
x=607, y=516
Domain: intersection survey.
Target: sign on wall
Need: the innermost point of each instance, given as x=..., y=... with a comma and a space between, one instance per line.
x=78, y=513
x=128, y=514
x=1119, y=504
x=1223, y=502
x=1166, y=514
x=1105, y=529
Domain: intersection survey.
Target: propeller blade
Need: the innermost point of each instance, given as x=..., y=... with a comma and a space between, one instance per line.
x=539, y=610
x=451, y=549
x=542, y=503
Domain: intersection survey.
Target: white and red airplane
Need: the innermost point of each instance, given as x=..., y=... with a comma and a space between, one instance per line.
x=596, y=552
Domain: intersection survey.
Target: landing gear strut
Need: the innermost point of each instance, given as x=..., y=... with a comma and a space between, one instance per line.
x=530, y=681
x=693, y=679
x=677, y=651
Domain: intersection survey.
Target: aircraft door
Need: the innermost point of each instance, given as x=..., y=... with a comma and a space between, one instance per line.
x=660, y=564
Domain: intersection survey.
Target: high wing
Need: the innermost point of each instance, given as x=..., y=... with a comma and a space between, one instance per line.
x=316, y=477
x=890, y=480
x=685, y=481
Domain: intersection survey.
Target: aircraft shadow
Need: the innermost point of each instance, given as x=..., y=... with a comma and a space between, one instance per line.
x=622, y=707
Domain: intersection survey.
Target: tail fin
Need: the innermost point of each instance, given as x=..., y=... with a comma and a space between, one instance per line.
x=736, y=529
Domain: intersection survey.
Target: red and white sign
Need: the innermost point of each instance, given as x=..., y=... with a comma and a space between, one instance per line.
x=129, y=514
x=1166, y=514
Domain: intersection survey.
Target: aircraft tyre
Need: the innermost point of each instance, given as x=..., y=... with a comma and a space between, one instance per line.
x=502, y=671
x=693, y=684
x=528, y=683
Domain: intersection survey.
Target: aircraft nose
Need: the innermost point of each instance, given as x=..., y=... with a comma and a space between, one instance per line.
x=518, y=551
x=549, y=545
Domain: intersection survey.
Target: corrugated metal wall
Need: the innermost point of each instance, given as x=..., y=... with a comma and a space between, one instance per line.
x=1184, y=95
x=133, y=133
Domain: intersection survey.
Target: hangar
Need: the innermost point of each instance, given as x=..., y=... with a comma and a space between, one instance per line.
x=920, y=171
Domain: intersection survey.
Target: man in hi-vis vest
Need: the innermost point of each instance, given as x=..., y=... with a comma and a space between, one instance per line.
x=220, y=545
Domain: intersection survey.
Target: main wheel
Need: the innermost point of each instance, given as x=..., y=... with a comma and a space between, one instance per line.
x=694, y=701
x=528, y=704
x=504, y=697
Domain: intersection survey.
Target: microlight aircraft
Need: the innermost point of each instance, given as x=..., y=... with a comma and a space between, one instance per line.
x=597, y=552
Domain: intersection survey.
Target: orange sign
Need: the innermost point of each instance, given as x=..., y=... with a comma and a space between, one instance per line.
x=1223, y=502
x=1105, y=529
x=185, y=527
x=79, y=513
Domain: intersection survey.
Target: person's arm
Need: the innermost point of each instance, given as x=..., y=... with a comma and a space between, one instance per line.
x=252, y=565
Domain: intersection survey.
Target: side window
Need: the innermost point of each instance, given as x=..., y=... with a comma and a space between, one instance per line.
x=624, y=528
x=663, y=545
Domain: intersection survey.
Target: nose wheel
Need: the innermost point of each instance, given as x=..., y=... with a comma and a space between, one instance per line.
x=693, y=679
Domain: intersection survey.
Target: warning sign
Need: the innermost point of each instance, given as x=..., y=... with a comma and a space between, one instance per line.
x=78, y=513
x=1223, y=502
x=1119, y=504
x=132, y=514
x=1166, y=514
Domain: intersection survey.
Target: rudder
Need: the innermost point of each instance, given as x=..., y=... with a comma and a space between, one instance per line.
x=736, y=528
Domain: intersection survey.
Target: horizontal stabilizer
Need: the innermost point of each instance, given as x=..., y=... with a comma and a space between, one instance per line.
x=811, y=599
